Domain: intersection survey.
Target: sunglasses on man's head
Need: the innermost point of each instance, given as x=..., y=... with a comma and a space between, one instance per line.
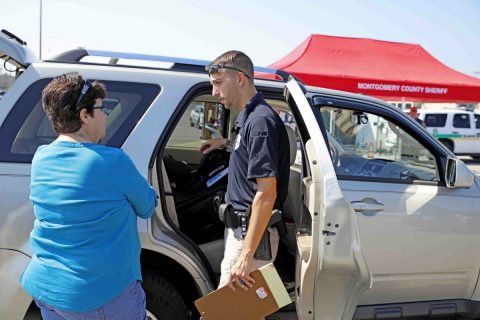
x=214, y=68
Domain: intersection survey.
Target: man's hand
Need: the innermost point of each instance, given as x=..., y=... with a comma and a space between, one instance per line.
x=212, y=144
x=240, y=273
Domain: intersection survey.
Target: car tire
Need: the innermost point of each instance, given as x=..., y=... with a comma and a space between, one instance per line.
x=448, y=144
x=33, y=313
x=164, y=302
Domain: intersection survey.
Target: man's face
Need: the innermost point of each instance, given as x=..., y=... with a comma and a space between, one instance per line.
x=225, y=87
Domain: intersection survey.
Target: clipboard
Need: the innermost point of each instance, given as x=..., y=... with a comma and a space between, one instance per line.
x=267, y=295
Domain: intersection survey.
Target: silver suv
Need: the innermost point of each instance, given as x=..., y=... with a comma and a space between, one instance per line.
x=361, y=172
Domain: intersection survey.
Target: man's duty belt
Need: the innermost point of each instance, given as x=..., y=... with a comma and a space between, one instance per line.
x=233, y=219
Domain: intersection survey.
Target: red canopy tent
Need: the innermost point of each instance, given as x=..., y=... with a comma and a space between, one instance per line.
x=388, y=70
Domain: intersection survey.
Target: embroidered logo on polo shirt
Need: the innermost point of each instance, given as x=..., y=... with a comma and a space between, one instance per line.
x=237, y=141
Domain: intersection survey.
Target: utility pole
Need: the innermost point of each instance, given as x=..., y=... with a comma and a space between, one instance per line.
x=40, y=53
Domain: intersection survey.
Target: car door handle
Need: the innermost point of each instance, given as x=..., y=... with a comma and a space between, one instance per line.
x=367, y=206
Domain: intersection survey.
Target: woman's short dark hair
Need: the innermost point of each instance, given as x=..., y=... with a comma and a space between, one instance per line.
x=60, y=97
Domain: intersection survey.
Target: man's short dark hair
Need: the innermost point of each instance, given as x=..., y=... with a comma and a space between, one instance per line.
x=236, y=59
x=60, y=97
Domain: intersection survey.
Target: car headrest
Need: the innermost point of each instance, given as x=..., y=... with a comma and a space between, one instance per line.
x=292, y=139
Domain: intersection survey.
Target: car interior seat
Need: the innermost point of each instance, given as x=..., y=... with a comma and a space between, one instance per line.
x=292, y=207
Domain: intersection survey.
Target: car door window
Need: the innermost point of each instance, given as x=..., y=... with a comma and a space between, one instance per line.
x=27, y=127
x=477, y=121
x=365, y=145
x=461, y=121
x=435, y=120
x=202, y=120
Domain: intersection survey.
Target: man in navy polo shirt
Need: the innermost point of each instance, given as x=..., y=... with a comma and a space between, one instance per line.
x=258, y=169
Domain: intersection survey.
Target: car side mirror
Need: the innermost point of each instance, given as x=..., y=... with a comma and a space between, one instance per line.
x=457, y=174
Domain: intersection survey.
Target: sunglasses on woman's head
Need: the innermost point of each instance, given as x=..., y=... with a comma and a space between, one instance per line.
x=86, y=87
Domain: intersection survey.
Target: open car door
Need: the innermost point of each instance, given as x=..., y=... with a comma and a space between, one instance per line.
x=331, y=272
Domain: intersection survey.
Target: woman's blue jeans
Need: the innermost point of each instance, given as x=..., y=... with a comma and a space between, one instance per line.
x=130, y=304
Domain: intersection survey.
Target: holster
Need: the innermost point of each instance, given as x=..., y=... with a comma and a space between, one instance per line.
x=235, y=219
x=264, y=249
x=276, y=220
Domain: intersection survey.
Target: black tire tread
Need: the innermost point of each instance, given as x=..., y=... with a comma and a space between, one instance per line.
x=163, y=299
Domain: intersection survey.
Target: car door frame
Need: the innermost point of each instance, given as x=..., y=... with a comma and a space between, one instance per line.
x=331, y=272
x=438, y=150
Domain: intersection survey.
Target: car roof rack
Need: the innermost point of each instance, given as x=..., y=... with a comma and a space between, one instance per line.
x=182, y=64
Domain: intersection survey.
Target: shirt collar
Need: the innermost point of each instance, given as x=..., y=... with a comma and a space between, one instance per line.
x=251, y=104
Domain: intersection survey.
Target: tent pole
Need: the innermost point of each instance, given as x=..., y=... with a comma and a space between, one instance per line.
x=399, y=141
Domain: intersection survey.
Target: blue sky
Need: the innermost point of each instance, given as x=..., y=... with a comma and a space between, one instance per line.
x=265, y=30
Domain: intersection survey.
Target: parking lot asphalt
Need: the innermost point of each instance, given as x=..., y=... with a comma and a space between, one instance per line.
x=473, y=164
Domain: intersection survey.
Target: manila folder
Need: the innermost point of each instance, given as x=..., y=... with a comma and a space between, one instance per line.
x=267, y=295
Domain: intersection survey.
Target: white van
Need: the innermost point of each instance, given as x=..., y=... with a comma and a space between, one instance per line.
x=459, y=130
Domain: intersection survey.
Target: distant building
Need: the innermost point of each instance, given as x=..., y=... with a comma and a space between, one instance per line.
x=462, y=106
x=431, y=105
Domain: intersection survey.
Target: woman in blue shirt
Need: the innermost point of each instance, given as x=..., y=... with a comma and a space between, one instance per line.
x=86, y=199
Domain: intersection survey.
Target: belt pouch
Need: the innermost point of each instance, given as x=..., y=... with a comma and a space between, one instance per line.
x=231, y=219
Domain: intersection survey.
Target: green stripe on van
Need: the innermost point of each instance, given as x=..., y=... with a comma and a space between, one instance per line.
x=446, y=136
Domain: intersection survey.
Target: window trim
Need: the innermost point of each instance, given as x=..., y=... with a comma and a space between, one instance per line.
x=386, y=180
x=23, y=107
